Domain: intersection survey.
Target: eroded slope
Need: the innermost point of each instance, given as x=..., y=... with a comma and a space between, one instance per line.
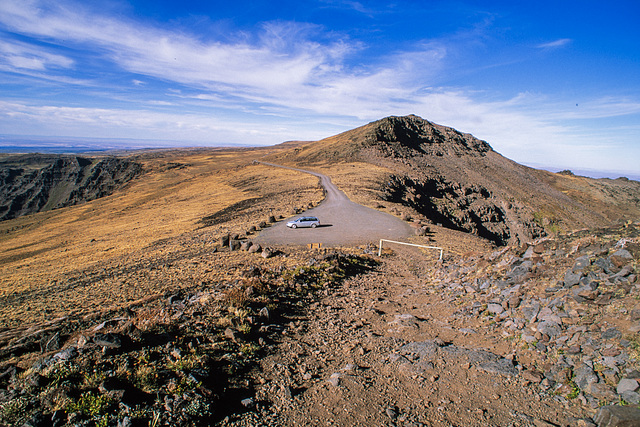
x=35, y=183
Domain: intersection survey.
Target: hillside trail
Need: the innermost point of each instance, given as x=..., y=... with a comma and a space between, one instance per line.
x=343, y=222
x=381, y=350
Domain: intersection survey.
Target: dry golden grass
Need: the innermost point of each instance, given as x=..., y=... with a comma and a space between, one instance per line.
x=44, y=256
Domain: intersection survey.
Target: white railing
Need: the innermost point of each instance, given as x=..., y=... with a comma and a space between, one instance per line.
x=408, y=244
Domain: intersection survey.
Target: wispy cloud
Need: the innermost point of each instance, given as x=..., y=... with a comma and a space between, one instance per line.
x=143, y=124
x=16, y=56
x=283, y=56
x=554, y=44
x=284, y=67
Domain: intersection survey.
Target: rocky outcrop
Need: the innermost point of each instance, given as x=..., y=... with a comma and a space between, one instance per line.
x=35, y=183
x=469, y=208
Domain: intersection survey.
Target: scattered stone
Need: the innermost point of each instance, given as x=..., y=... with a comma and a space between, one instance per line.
x=422, y=231
x=495, y=308
x=571, y=278
x=108, y=340
x=66, y=354
x=581, y=263
x=617, y=416
x=532, y=375
x=631, y=397
x=621, y=258
x=611, y=333
x=231, y=334
x=584, y=376
x=392, y=412
x=627, y=385
x=549, y=328
x=50, y=343
x=248, y=403
x=602, y=392
x=264, y=314
x=334, y=379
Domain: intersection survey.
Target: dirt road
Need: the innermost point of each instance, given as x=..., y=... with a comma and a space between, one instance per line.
x=343, y=222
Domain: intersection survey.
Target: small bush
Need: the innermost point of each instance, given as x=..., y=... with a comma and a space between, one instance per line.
x=90, y=404
x=14, y=411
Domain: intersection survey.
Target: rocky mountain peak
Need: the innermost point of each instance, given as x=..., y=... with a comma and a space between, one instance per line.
x=415, y=133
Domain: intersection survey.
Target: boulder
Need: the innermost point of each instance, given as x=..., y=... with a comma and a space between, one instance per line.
x=422, y=231
x=627, y=385
x=549, y=328
x=571, y=278
x=495, y=308
x=108, y=340
x=621, y=258
x=581, y=263
x=584, y=376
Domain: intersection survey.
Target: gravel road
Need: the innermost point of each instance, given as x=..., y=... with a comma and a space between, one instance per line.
x=343, y=222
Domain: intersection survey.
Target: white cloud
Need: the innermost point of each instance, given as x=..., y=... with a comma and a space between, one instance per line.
x=555, y=44
x=16, y=55
x=143, y=124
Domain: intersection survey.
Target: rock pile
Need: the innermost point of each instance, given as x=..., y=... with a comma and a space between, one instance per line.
x=568, y=305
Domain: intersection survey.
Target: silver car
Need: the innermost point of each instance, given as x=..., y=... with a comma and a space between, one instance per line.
x=304, y=221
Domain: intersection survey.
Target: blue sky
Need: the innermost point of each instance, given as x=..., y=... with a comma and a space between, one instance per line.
x=553, y=84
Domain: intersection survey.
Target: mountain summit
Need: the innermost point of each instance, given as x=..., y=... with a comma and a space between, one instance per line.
x=456, y=180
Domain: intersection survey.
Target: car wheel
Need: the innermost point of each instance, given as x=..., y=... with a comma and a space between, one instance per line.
x=294, y=226
x=314, y=225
